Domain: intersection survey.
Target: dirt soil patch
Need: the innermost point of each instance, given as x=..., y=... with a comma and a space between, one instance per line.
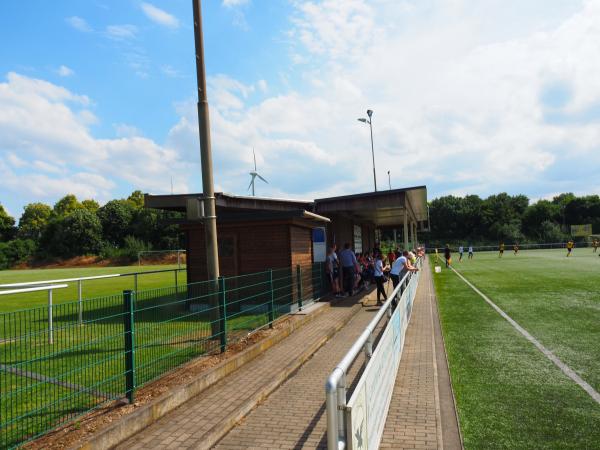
x=78, y=431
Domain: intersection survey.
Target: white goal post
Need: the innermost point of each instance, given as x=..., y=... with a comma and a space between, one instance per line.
x=156, y=253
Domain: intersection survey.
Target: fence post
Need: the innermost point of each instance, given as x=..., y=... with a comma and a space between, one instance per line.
x=50, y=326
x=135, y=282
x=271, y=303
x=79, y=303
x=176, y=285
x=223, y=315
x=299, y=282
x=129, y=332
x=323, y=280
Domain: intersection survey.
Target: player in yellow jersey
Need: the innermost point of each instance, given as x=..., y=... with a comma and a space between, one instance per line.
x=570, y=246
x=501, y=250
x=516, y=249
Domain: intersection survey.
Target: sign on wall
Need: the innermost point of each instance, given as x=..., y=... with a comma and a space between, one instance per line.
x=319, y=245
x=357, y=239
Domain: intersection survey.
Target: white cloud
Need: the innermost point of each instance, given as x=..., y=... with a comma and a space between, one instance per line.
x=234, y=3
x=64, y=71
x=47, y=127
x=124, y=130
x=79, y=24
x=121, y=32
x=159, y=16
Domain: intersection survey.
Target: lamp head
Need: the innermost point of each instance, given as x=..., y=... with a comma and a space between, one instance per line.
x=369, y=113
x=362, y=119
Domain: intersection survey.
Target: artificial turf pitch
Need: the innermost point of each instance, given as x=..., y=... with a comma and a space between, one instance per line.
x=508, y=394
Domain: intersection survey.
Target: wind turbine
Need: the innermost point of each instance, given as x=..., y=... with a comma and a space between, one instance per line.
x=254, y=174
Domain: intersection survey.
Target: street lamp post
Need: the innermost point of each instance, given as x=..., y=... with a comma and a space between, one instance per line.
x=389, y=180
x=370, y=122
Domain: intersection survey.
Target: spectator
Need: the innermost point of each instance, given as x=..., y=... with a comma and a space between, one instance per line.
x=379, y=278
x=349, y=265
x=391, y=257
x=333, y=271
x=400, y=268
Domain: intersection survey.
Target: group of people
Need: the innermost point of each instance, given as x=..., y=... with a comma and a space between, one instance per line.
x=351, y=272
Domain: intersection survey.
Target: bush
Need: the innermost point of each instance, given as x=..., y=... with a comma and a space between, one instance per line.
x=15, y=251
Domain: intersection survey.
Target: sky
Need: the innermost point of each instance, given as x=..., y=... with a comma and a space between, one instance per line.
x=98, y=98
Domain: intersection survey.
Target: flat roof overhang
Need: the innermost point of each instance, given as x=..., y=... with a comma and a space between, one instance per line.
x=382, y=208
x=224, y=201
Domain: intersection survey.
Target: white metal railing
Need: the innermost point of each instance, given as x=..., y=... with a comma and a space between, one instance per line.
x=48, y=288
x=336, y=386
x=80, y=281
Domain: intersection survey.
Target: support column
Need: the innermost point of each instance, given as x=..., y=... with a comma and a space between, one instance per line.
x=416, y=234
x=405, y=229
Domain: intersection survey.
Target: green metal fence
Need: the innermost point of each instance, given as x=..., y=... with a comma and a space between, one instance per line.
x=127, y=340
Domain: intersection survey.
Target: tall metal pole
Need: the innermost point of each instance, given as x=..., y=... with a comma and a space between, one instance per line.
x=389, y=180
x=210, y=220
x=370, y=114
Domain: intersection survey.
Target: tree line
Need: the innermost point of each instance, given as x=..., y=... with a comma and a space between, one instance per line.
x=117, y=230
x=502, y=217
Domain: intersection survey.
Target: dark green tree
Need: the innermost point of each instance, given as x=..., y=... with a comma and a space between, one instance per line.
x=116, y=218
x=66, y=205
x=7, y=225
x=34, y=221
x=80, y=233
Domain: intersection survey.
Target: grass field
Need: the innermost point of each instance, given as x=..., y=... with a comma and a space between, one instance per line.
x=90, y=289
x=508, y=394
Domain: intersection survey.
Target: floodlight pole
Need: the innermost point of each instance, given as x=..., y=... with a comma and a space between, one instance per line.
x=370, y=114
x=210, y=218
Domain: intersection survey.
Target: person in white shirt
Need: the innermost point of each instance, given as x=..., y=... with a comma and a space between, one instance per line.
x=379, y=279
x=401, y=267
x=460, y=253
x=470, y=252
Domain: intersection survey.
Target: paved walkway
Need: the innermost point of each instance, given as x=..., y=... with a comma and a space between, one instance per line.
x=294, y=417
x=190, y=424
x=422, y=413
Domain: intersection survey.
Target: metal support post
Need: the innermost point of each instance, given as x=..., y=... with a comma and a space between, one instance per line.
x=210, y=218
x=299, y=285
x=176, y=285
x=135, y=282
x=50, y=325
x=272, y=301
x=129, y=334
x=79, y=303
x=223, y=314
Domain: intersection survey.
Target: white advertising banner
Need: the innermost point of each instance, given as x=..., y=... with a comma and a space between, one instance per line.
x=367, y=409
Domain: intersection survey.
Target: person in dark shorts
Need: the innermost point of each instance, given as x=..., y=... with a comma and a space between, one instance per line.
x=470, y=251
x=447, y=255
x=349, y=265
x=332, y=270
x=516, y=249
x=501, y=250
x=570, y=246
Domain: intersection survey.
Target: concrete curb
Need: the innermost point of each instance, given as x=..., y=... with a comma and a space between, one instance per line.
x=146, y=415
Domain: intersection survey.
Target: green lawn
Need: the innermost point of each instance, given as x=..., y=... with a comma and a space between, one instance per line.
x=90, y=288
x=508, y=394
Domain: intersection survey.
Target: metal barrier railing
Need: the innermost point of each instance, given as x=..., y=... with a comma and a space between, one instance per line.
x=336, y=387
x=122, y=342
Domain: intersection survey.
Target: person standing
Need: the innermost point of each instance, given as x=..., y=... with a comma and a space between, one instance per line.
x=349, y=264
x=447, y=255
x=501, y=250
x=460, y=252
x=470, y=252
x=333, y=271
x=516, y=249
x=379, y=278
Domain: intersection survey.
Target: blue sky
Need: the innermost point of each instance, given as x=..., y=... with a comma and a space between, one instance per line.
x=97, y=98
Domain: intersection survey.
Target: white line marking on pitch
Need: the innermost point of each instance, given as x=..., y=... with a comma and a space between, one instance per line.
x=551, y=356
